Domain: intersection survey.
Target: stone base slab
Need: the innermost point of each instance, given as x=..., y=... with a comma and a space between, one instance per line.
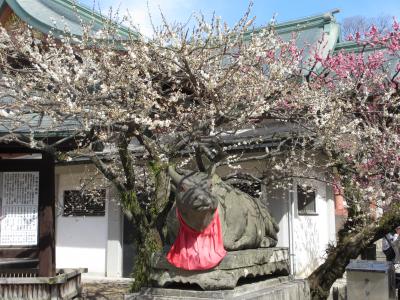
x=248, y=263
x=283, y=288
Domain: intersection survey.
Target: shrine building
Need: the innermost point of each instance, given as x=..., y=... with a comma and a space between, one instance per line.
x=41, y=224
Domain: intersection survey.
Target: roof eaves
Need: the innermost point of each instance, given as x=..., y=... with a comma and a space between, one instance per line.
x=81, y=10
x=88, y=13
x=347, y=46
x=42, y=134
x=24, y=16
x=352, y=46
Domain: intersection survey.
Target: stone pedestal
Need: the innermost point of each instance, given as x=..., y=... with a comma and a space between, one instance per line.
x=249, y=263
x=283, y=288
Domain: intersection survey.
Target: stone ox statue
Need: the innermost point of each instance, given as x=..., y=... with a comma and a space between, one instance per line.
x=245, y=221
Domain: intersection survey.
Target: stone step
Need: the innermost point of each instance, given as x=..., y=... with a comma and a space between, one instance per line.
x=283, y=288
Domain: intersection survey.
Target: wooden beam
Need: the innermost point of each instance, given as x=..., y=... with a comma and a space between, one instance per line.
x=13, y=147
x=20, y=165
x=47, y=265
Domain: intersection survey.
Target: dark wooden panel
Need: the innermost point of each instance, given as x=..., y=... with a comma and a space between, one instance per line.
x=22, y=252
x=18, y=263
x=47, y=266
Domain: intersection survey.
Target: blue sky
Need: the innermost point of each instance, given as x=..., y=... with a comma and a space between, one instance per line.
x=232, y=10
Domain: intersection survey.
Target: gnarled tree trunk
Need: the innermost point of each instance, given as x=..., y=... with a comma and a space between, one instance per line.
x=349, y=246
x=149, y=226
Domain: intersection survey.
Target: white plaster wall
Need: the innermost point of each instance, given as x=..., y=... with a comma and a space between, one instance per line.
x=312, y=233
x=80, y=241
x=278, y=205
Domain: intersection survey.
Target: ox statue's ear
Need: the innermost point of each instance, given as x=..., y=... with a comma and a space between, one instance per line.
x=175, y=176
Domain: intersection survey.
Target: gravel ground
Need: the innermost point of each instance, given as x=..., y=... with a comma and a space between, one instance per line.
x=104, y=290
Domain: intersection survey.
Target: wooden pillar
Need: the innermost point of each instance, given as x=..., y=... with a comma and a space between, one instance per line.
x=47, y=265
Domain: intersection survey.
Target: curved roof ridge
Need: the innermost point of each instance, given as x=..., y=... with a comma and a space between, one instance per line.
x=326, y=16
x=318, y=20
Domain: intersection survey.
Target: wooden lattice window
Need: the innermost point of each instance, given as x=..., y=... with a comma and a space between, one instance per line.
x=84, y=203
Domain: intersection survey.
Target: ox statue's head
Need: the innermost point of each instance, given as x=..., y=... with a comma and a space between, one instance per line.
x=194, y=198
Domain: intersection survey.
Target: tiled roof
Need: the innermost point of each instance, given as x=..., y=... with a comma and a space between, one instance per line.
x=56, y=15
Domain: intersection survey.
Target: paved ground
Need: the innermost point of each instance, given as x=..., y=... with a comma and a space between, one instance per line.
x=104, y=290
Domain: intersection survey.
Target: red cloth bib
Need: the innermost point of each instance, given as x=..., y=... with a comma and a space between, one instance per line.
x=193, y=250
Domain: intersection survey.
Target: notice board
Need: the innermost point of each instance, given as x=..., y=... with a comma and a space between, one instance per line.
x=19, y=199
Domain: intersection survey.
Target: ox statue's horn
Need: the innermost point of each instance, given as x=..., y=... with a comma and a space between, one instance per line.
x=175, y=176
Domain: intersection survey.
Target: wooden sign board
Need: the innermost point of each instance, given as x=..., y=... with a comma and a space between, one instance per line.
x=19, y=195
